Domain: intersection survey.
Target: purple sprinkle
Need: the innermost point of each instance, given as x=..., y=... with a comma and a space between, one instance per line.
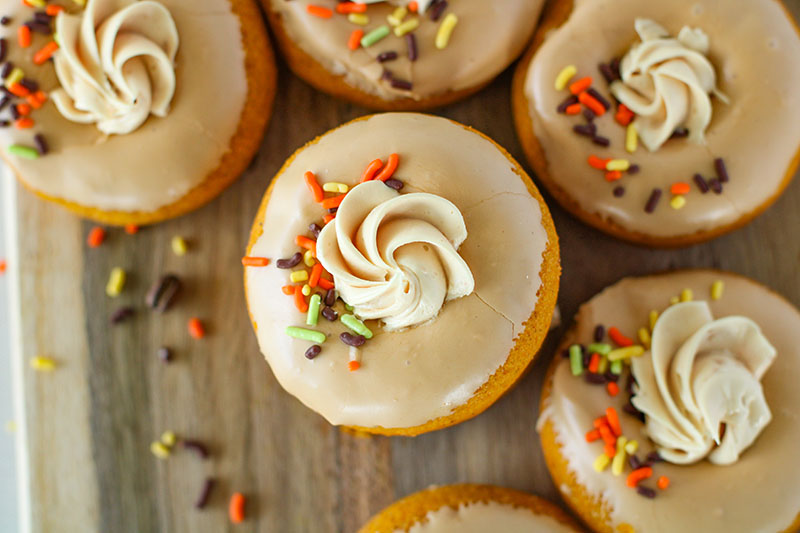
x=588, y=130
x=599, y=333
x=701, y=183
x=330, y=314
x=680, y=133
x=290, y=262
x=594, y=379
x=722, y=172
x=352, y=340
x=41, y=144
x=586, y=356
x=652, y=202
x=315, y=229
x=588, y=114
x=4, y=101
x=196, y=446
x=715, y=185
x=393, y=183
x=614, y=66
x=607, y=73
x=3, y=49
x=411, y=46
x=610, y=376
x=313, y=351
x=15, y=114
x=330, y=297
x=619, y=191
x=391, y=55
x=164, y=354
x=437, y=9
x=39, y=27
x=631, y=410
x=387, y=75
x=29, y=84
x=5, y=123
x=5, y=21
x=654, y=457
x=41, y=16
x=121, y=315
x=6, y=70
x=205, y=493
x=599, y=97
x=646, y=492
x=634, y=462
x=571, y=100
x=403, y=85
x=601, y=141
x=332, y=211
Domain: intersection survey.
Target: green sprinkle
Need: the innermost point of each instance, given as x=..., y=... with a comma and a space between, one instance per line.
x=313, y=310
x=616, y=367
x=310, y=335
x=23, y=151
x=576, y=360
x=356, y=325
x=374, y=36
x=601, y=348
x=349, y=307
x=603, y=366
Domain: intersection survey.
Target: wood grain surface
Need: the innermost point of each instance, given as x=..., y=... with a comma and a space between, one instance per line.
x=90, y=423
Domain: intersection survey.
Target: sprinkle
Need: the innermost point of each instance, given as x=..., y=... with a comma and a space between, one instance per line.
x=652, y=202
x=290, y=262
x=352, y=340
x=304, y=242
x=566, y=74
x=308, y=259
x=41, y=144
x=625, y=353
x=599, y=333
x=618, y=338
x=592, y=103
x=594, y=363
x=394, y=184
x=716, y=289
x=619, y=191
x=445, y=31
x=411, y=45
x=164, y=354
x=594, y=379
x=599, y=97
x=674, y=300
x=687, y=295
x=598, y=163
x=352, y=366
x=397, y=16
x=3, y=266
x=162, y=293
x=618, y=164
x=716, y=185
x=255, y=261
x=652, y=319
x=298, y=275
x=601, y=348
x=601, y=141
x=413, y=6
x=644, y=337
x=300, y=301
x=45, y=53
x=680, y=187
x=601, y=462
x=437, y=9
x=615, y=367
x=593, y=435
x=663, y=483
x=116, y=281
x=701, y=183
x=387, y=171
x=677, y=202
x=588, y=130
x=168, y=438
x=313, y=351
x=679, y=133
x=356, y=325
x=41, y=363
x=236, y=506
x=315, y=229
x=575, y=360
x=335, y=186
x=574, y=109
x=23, y=123
x=640, y=474
x=14, y=77
x=383, y=57
x=24, y=36
x=317, y=337
x=613, y=421
x=406, y=28
x=624, y=116
x=205, y=493
x=350, y=7
x=159, y=450
x=354, y=41
x=358, y=18
x=313, y=186
x=288, y=290
x=631, y=446
x=581, y=85
x=374, y=36
x=618, y=464
x=325, y=284
x=121, y=315
x=569, y=101
x=722, y=171
x=612, y=388
x=313, y=310
x=316, y=274
x=53, y=9
x=179, y=246
x=23, y=151
x=631, y=138
x=319, y=11
x=306, y=290
x=646, y=492
x=329, y=203
x=589, y=115
x=196, y=329
x=5, y=21
x=607, y=72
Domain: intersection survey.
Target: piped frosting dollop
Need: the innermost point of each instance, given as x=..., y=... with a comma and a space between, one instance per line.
x=699, y=386
x=115, y=64
x=394, y=257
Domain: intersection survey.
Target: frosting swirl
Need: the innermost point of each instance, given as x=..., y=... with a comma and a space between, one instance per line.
x=667, y=82
x=699, y=386
x=394, y=257
x=116, y=64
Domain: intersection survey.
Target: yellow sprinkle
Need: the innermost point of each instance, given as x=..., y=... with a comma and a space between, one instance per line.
x=335, y=186
x=716, y=289
x=631, y=138
x=14, y=76
x=358, y=18
x=631, y=447
x=678, y=201
x=618, y=464
x=10, y=426
x=397, y=16
x=445, y=31
x=41, y=363
x=653, y=318
x=687, y=295
x=566, y=74
x=644, y=337
x=37, y=3
x=625, y=353
x=168, y=438
x=308, y=258
x=674, y=300
x=603, y=366
x=601, y=462
x=618, y=164
x=80, y=2
x=116, y=281
x=298, y=276
x=407, y=26
x=159, y=450
x=179, y=246
x=306, y=290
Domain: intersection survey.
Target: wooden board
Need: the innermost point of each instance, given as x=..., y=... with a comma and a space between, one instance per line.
x=89, y=424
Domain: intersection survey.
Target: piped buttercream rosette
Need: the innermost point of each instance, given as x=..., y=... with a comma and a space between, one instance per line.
x=395, y=257
x=699, y=386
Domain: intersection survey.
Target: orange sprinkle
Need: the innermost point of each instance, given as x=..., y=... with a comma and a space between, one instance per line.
x=255, y=261
x=3, y=266
x=624, y=115
x=24, y=123
x=353, y=365
x=304, y=242
x=413, y=6
x=288, y=290
x=24, y=109
x=574, y=109
x=592, y=103
x=597, y=162
x=131, y=229
x=640, y=474
x=45, y=53
x=350, y=7
x=316, y=274
x=600, y=421
x=196, y=328
x=372, y=168
x=610, y=450
x=319, y=11
x=619, y=338
x=53, y=9
x=17, y=89
x=330, y=203
x=355, y=39
x=96, y=237
x=327, y=218
x=313, y=186
x=325, y=284
x=613, y=421
x=37, y=99
x=679, y=187
x=606, y=434
x=663, y=483
x=24, y=36
x=594, y=363
x=388, y=170
x=612, y=388
x=581, y=85
x=613, y=175
x=592, y=435
x=236, y=505
x=300, y=301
